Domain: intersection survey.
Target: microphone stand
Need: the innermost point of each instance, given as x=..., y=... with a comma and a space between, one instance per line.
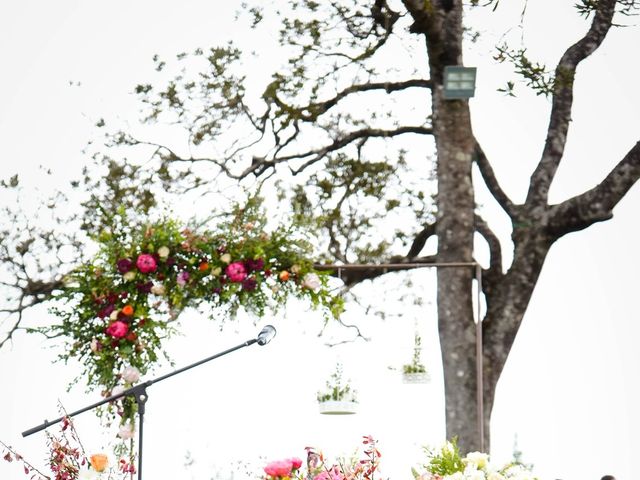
x=139, y=391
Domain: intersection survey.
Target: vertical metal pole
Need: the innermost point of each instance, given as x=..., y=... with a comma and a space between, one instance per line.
x=479, y=356
x=141, y=399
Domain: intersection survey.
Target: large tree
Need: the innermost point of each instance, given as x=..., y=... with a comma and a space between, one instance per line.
x=345, y=129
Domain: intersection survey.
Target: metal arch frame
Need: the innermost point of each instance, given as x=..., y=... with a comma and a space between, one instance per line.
x=479, y=343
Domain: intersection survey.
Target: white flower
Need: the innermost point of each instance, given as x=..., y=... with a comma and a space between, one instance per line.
x=474, y=475
x=216, y=271
x=94, y=345
x=495, y=476
x=295, y=268
x=478, y=459
x=158, y=289
x=311, y=281
x=130, y=275
x=117, y=390
x=126, y=431
x=114, y=315
x=131, y=375
x=225, y=258
x=163, y=252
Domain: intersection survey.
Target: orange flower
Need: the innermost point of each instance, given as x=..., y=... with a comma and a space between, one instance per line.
x=99, y=462
x=203, y=267
x=127, y=310
x=284, y=275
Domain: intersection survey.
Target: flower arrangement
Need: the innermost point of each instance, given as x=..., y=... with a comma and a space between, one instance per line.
x=448, y=464
x=317, y=469
x=116, y=310
x=68, y=459
x=336, y=389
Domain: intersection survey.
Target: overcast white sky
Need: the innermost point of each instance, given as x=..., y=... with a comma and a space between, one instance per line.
x=570, y=390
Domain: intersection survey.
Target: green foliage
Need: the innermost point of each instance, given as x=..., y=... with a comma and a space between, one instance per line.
x=445, y=462
x=535, y=75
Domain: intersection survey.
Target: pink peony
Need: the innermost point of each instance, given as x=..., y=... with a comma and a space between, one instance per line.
x=236, y=272
x=117, y=329
x=146, y=263
x=279, y=468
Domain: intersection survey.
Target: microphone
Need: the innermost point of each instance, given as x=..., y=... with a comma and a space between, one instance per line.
x=267, y=333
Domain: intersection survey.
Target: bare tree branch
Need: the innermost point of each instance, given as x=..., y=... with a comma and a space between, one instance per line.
x=596, y=204
x=421, y=239
x=495, y=249
x=563, y=101
x=311, y=112
x=490, y=180
x=31, y=294
x=319, y=154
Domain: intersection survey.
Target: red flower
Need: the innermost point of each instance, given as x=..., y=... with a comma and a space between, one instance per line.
x=124, y=265
x=249, y=284
x=117, y=329
x=146, y=263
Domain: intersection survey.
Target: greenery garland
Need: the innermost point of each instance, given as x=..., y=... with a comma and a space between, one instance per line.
x=117, y=310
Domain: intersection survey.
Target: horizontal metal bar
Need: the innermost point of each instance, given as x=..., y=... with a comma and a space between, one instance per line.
x=382, y=266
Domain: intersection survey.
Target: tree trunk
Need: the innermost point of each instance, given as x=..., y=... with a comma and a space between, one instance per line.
x=455, y=225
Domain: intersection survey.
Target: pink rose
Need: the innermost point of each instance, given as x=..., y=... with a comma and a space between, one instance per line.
x=146, y=263
x=296, y=463
x=279, y=468
x=117, y=329
x=236, y=272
